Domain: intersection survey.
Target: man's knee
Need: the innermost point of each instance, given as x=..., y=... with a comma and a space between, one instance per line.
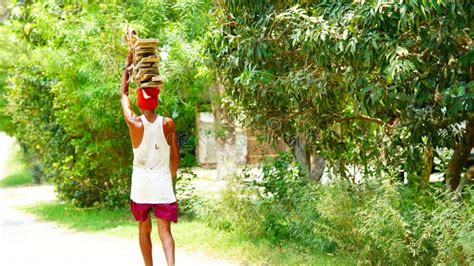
x=144, y=228
x=164, y=234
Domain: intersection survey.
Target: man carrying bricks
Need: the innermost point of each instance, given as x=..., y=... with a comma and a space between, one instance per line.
x=155, y=165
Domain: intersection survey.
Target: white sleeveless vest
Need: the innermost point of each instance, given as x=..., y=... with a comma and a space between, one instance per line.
x=151, y=177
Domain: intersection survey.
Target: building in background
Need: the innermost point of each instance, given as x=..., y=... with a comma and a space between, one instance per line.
x=248, y=150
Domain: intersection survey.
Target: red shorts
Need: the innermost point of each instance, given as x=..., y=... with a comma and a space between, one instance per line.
x=165, y=211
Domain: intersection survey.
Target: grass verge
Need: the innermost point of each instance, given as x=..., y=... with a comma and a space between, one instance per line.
x=17, y=173
x=18, y=178
x=192, y=235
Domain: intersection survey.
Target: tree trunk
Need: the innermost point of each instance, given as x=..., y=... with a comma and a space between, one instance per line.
x=299, y=152
x=225, y=133
x=313, y=164
x=428, y=157
x=459, y=158
x=226, y=155
x=318, y=164
x=468, y=176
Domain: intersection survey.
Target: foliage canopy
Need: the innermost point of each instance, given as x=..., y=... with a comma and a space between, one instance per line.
x=360, y=82
x=62, y=87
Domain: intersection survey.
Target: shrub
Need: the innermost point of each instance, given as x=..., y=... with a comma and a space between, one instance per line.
x=277, y=204
x=444, y=233
x=378, y=221
x=190, y=203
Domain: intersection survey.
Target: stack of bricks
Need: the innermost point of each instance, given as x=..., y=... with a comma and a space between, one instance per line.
x=144, y=69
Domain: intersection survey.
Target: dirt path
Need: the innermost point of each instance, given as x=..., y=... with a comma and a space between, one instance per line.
x=24, y=240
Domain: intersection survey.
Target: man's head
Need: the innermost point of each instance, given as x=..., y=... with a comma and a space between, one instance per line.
x=147, y=98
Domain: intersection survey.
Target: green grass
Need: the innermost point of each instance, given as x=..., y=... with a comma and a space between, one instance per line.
x=18, y=178
x=88, y=220
x=17, y=174
x=192, y=235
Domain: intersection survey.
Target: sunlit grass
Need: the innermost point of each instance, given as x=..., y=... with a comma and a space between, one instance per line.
x=192, y=235
x=17, y=174
x=19, y=178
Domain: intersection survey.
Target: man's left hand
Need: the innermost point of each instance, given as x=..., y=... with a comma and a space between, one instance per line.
x=129, y=59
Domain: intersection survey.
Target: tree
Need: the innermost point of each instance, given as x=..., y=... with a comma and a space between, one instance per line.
x=62, y=97
x=359, y=82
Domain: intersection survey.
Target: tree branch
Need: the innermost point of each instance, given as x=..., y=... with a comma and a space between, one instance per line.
x=362, y=117
x=231, y=23
x=443, y=123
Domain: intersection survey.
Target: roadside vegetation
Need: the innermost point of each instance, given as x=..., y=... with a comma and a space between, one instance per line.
x=17, y=173
x=273, y=217
x=190, y=234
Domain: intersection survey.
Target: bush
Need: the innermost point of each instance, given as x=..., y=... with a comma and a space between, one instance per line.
x=384, y=225
x=444, y=233
x=190, y=203
x=378, y=221
x=364, y=220
x=277, y=204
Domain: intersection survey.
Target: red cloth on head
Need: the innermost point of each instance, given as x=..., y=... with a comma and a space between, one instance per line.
x=150, y=103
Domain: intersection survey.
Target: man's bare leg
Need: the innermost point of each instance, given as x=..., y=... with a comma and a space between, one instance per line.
x=144, y=231
x=167, y=241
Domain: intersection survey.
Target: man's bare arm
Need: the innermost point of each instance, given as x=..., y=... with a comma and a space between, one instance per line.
x=130, y=116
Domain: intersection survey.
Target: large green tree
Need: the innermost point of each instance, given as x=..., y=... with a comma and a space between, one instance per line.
x=63, y=63
x=355, y=81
